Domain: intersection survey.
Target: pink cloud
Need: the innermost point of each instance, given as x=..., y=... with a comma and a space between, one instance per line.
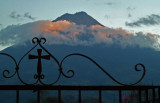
x=69, y=33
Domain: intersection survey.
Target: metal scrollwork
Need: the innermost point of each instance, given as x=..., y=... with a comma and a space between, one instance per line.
x=69, y=74
x=6, y=73
x=136, y=68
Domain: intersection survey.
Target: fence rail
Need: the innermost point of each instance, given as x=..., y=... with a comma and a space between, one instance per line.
x=80, y=89
x=71, y=87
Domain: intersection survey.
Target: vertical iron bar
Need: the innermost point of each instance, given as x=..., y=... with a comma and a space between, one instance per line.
x=100, y=96
x=79, y=95
x=153, y=95
x=17, y=98
x=139, y=95
x=38, y=96
x=59, y=96
x=146, y=95
x=120, y=96
x=159, y=95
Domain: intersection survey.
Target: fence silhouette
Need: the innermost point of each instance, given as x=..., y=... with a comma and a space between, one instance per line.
x=39, y=85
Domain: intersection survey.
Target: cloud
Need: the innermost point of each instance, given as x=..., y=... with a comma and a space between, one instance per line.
x=69, y=33
x=1, y=25
x=28, y=15
x=106, y=16
x=130, y=8
x=109, y=3
x=148, y=21
x=16, y=16
x=129, y=15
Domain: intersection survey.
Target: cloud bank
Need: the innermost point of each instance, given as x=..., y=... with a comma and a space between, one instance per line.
x=69, y=33
x=148, y=21
x=16, y=16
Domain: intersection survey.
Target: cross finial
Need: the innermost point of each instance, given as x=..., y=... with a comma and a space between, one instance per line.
x=39, y=64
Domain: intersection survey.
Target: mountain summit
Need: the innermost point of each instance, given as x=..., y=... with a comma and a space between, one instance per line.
x=80, y=18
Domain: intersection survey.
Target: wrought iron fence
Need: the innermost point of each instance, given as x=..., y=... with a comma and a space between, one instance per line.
x=39, y=85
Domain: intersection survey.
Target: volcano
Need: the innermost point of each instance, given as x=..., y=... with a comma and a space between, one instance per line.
x=80, y=18
x=118, y=60
x=106, y=46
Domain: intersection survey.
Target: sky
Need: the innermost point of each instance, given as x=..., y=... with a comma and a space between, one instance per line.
x=131, y=15
x=111, y=13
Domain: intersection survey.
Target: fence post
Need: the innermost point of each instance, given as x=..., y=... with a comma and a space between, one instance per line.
x=17, y=98
x=59, y=96
x=79, y=96
x=100, y=96
x=139, y=95
x=38, y=96
x=146, y=92
x=153, y=95
x=120, y=96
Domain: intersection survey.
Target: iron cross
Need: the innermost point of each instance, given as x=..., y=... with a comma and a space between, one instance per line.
x=39, y=57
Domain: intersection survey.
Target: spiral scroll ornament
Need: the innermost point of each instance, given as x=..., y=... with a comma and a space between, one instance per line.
x=39, y=76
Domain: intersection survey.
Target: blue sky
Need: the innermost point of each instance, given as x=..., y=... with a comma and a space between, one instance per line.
x=111, y=13
x=131, y=15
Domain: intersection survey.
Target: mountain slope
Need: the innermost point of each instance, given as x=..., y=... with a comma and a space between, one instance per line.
x=119, y=62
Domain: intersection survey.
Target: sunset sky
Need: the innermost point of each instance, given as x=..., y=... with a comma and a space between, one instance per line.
x=21, y=18
x=111, y=13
